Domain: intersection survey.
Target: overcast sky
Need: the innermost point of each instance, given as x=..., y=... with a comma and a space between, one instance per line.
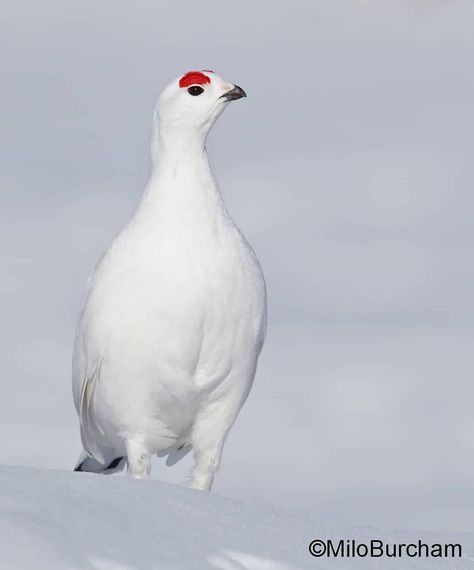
x=349, y=168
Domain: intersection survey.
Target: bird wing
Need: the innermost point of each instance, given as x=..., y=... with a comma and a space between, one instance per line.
x=89, y=428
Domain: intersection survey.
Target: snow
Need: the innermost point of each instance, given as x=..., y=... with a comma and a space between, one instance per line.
x=61, y=520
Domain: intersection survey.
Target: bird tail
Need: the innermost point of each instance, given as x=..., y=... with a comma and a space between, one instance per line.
x=91, y=465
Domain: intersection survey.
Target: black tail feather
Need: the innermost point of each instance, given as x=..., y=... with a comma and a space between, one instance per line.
x=89, y=465
x=115, y=463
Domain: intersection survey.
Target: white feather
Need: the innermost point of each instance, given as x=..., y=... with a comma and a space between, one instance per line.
x=175, y=311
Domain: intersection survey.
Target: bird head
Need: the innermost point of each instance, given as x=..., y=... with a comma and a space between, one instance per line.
x=193, y=101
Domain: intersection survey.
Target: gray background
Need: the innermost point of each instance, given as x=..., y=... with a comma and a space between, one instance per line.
x=349, y=167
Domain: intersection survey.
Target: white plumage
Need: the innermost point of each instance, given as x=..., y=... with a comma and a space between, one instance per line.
x=173, y=319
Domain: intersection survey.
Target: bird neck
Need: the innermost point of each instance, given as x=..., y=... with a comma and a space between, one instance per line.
x=174, y=147
x=181, y=179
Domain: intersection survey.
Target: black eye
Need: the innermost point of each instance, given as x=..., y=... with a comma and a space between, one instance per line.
x=195, y=90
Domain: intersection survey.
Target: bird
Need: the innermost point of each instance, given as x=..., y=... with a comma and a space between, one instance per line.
x=173, y=316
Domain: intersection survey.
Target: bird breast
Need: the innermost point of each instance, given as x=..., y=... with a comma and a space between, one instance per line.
x=172, y=303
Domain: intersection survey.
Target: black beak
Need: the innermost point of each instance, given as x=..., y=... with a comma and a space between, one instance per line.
x=235, y=93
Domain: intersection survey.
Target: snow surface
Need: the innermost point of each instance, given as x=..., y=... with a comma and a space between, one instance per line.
x=60, y=520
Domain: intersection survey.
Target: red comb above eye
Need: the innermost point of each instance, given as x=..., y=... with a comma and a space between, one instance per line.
x=193, y=78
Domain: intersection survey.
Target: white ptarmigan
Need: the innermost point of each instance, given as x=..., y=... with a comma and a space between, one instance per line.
x=174, y=315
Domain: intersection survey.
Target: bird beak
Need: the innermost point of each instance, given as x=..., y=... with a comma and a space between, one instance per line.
x=235, y=93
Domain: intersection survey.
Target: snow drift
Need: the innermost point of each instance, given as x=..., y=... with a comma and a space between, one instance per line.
x=58, y=520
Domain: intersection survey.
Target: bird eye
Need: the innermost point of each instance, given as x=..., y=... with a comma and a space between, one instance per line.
x=195, y=90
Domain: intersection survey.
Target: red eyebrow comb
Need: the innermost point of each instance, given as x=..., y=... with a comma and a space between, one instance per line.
x=193, y=78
